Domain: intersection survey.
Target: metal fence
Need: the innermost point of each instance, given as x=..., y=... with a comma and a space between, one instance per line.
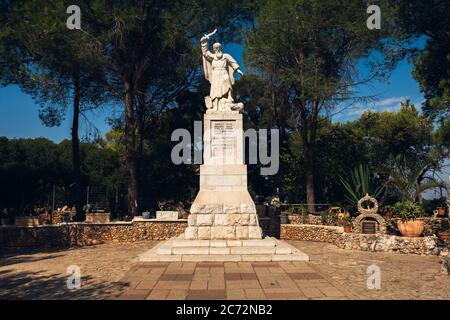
x=299, y=208
x=97, y=197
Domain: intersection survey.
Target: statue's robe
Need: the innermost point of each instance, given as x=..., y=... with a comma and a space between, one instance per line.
x=219, y=73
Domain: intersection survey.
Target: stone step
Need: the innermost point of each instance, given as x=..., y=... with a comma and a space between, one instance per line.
x=223, y=257
x=192, y=243
x=222, y=250
x=190, y=250
x=267, y=249
x=252, y=250
x=267, y=242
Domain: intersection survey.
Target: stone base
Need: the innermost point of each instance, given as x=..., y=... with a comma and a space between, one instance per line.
x=98, y=217
x=167, y=215
x=216, y=221
x=181, y=249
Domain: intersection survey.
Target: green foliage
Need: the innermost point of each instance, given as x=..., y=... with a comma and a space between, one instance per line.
x=408, y=210
x=306, y=52
x=429, y=19
x=445, y=226
x=361, y=183
x=29, y=168
x=330, y=218
x=346, y=222
x=409, y=181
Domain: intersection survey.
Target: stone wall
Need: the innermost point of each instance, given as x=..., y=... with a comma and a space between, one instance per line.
x=432, y=224
x=366, y=242
x=309, y=219
x=81, y=234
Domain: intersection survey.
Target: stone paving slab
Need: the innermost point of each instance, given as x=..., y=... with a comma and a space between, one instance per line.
x=228, y=280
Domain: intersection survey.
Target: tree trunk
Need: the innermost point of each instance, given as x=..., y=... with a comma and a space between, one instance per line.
x=309, y=165
x=308, y=134
x=130, y=149
x=80, y=215
x=140, y=145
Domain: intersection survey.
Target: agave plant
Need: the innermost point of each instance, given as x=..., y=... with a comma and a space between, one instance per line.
x=360, y=184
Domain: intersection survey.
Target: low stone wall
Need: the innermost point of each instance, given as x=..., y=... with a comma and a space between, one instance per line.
x=309, y=219
x=366, y=242
x=432, y=224
x=81, y=234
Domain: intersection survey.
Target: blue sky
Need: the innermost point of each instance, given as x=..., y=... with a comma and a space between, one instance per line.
x=19, y=113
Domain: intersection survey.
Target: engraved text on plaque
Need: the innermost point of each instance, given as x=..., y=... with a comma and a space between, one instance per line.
x=222, y=140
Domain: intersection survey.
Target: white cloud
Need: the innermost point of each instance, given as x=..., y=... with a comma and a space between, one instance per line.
x=390, y=101
x=391, y=104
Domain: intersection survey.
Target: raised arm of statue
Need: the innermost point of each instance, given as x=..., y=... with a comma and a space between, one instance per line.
x=208, y=57
x=206, y=53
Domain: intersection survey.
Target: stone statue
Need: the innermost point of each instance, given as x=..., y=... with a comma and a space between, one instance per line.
x=219, y=70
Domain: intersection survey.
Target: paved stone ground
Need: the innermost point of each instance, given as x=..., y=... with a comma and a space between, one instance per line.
x=402, y=276
x=111, y=271
x=228, y=280
x=43, y=274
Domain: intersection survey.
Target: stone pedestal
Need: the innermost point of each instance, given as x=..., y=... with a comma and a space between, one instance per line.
x=223, y=224
x=167, y=215
x=98, y=217
x=223, y=208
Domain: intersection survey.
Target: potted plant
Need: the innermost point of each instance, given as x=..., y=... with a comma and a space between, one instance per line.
x=329, y=218
x=409, y=223
x=347, y=224
x=441, y=211
x=305, y=215
x=284, y=219
x=444, y=233
x=146, y=214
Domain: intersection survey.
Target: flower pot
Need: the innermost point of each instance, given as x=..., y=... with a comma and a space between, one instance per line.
x=444, y=235
x=411, y=228
x=284, y=219
x=146, y=215
x=347, y=229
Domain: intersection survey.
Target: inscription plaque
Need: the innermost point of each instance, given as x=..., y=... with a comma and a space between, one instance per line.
x=222, y=140
x=369, y=227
